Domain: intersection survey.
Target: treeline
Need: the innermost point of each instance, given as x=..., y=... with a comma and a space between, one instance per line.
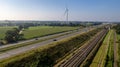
x=13, y=35
x=47, y=57
x=117, y=27
x=47, y=23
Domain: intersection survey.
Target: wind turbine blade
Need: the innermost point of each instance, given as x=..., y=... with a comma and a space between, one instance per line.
x=65, y=12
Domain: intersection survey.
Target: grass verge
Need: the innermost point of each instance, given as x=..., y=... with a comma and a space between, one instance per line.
x=28, y=43
x=118, y=45
x=92, y=54
x=110, y=53
x=48, y=55
x=100, y=57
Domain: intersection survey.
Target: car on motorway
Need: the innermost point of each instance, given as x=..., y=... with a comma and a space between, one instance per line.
x=36, y=38
x=54, y=39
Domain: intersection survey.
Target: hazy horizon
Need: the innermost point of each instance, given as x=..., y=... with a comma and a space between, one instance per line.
x=53, y=10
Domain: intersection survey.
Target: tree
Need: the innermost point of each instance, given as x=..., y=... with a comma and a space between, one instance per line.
x=13, y=35
x=20, y=27
x=117, y=27
x=26, y=26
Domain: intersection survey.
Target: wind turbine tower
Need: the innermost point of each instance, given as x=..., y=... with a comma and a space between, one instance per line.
x=67, y=14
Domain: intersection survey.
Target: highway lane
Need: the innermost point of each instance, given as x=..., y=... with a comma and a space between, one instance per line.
x=41, y=38
x=45, y=37
x=17, y=51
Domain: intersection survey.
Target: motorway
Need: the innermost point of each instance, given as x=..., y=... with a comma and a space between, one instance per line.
x=19, y=50
x=41, y=38
x=45, y=37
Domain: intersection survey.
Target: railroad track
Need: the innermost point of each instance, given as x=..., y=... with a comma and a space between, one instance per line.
x=82, y=53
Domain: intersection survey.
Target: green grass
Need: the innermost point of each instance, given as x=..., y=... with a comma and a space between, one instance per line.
x=53, y=52
x=100, y=57
x=118, y=42
x=3, y=31
x=76, y=50
x=39, y=31
x=29, y=53
x=110, y=53
x=118, y=36
x=27, y=43
x=19, y=45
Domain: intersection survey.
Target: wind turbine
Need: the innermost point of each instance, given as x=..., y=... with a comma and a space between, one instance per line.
x=66, y=14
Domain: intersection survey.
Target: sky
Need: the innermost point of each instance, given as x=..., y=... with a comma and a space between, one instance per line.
x=79, y=10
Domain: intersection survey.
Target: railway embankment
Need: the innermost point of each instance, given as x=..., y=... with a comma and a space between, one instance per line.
x=48, y=55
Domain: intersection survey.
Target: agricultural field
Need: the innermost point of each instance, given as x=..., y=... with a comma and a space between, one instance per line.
x=39, y=31
x=4, y=29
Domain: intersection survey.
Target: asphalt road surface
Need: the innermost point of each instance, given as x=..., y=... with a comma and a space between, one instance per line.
x=41, y=38
x=17, y=51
